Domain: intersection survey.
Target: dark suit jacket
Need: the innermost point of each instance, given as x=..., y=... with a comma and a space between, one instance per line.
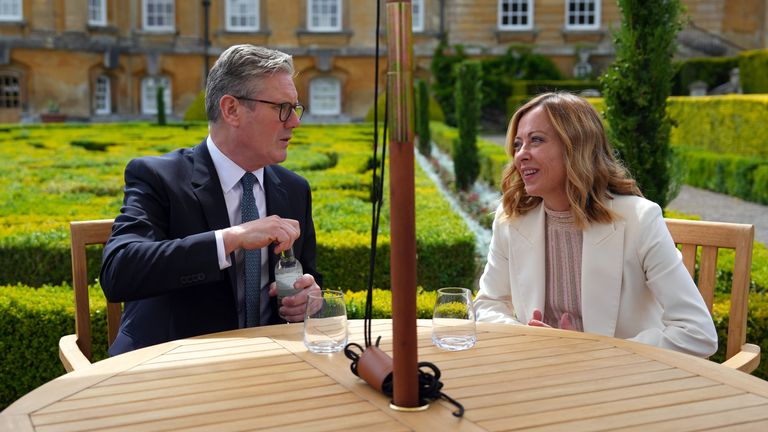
x=161, y=257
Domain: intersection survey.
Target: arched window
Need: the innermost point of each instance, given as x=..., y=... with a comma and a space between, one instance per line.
x=102, y=96
x=10, y=91
x=149, y=94
x=325, y=96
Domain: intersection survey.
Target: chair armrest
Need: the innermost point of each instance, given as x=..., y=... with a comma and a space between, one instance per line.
x=71, y=356
x=745, y=360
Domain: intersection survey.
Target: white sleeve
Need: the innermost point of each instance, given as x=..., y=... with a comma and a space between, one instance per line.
x=224, y=261
x=688, y=325
x=494, y=300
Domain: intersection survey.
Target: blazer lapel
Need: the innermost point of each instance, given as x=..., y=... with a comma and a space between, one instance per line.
x=602, y=260
x=527, y=263
x=207, y=188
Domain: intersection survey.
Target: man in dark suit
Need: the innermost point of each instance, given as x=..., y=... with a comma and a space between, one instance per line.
x=176, y=253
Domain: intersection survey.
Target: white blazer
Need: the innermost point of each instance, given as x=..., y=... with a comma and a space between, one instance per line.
x=633, y=282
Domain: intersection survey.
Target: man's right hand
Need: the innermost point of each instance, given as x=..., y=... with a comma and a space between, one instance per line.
x=261, y=232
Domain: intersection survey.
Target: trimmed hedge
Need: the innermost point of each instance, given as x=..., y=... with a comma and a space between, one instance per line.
x=712, y=70
x=524, y=90
x=753, y=71
x=723, y=124
x=33, y=320
x=43, y=187
x=740, y=176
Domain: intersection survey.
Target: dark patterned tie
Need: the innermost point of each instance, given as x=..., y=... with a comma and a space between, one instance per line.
x=252, y=260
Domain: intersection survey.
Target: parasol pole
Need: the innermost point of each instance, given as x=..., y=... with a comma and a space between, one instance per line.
x=402, y=213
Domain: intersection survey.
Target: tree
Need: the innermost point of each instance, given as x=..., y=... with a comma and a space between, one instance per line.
x=422, y=118
x=160, y=97
x=443, y=63
x=466, y=164
x=636, y=87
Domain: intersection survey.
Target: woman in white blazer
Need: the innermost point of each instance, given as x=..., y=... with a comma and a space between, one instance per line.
x=576, y=246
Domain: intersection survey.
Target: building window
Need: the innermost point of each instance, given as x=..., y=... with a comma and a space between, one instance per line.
x=242, y=15
x=158, y=15
x=10, y=91
x=149, y=94
x=515, y=14
x=324, y=15
x=97, y=12
x=102, y=96
x=325, y=96
x=10, y=10
x=418, y=15
x=582, y=14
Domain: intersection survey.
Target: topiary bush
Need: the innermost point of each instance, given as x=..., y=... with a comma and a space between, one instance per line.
x=444, y=79
x=636, y=87
x=468, y=101
x=422, y=119
x=196, y=110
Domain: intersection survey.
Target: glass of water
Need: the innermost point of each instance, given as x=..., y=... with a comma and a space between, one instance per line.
x=325, y=322
x=453, y=321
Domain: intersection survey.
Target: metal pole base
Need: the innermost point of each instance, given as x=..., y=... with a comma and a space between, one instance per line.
x=408, y=409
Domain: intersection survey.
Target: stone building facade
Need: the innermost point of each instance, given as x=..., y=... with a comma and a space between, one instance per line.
x=103, y=59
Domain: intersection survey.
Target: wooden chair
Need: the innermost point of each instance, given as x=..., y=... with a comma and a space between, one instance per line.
x=712, y=236
x=75, y=350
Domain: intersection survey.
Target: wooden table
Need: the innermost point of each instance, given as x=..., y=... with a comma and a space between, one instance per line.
x=516, y=377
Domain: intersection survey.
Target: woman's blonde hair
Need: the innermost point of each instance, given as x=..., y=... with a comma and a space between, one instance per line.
x=592, y=171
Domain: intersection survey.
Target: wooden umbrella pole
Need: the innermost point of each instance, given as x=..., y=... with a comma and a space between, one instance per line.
x=402, y=212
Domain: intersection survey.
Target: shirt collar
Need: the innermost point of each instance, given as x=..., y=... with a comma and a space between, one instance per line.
x=229, y=172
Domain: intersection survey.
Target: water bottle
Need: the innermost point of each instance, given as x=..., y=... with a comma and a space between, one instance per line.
x=287, y=270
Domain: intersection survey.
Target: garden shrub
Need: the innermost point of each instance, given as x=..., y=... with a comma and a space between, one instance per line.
x=636, y=87
x=196, y=110
x=443, y=78
x=435, y=112
x=491, y=156
x=32, y=320
x=466, y=166
x=723, y=124
x=42, y=190
x=422, y=118
x=730, y=174
x=712, y=70
x=752, y=71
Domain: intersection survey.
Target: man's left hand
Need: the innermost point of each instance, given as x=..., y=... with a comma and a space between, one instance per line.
x=295, y=306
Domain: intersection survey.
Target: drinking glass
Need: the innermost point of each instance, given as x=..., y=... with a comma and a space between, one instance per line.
x=453, y=321
x=325, y=322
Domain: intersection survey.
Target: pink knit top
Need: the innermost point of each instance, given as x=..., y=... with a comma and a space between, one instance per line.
x=563, y=267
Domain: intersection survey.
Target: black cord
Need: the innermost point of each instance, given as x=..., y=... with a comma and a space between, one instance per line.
x=377, y=184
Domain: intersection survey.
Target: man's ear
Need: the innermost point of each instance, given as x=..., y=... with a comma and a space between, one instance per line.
x=230, y=110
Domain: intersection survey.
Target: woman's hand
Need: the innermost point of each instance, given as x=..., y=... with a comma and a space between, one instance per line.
x=537, y=321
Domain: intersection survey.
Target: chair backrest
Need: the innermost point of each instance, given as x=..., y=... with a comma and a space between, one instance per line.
x=711, y=236
x=84, y=233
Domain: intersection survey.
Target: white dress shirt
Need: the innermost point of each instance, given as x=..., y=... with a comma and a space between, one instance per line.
x=229, y=175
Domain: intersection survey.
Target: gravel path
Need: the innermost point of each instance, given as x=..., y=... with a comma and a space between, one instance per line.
x=710, y=206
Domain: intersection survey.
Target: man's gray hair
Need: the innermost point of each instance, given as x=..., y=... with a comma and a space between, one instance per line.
x=238, y=72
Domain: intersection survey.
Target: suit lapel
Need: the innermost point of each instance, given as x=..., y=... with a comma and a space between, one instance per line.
x=601, y=271
x=207, y=188
x=528, y=273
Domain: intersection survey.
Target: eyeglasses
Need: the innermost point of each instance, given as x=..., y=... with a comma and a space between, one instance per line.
x=285, y=108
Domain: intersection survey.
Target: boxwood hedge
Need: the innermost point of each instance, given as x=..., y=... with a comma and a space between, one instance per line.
x=46, y=181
